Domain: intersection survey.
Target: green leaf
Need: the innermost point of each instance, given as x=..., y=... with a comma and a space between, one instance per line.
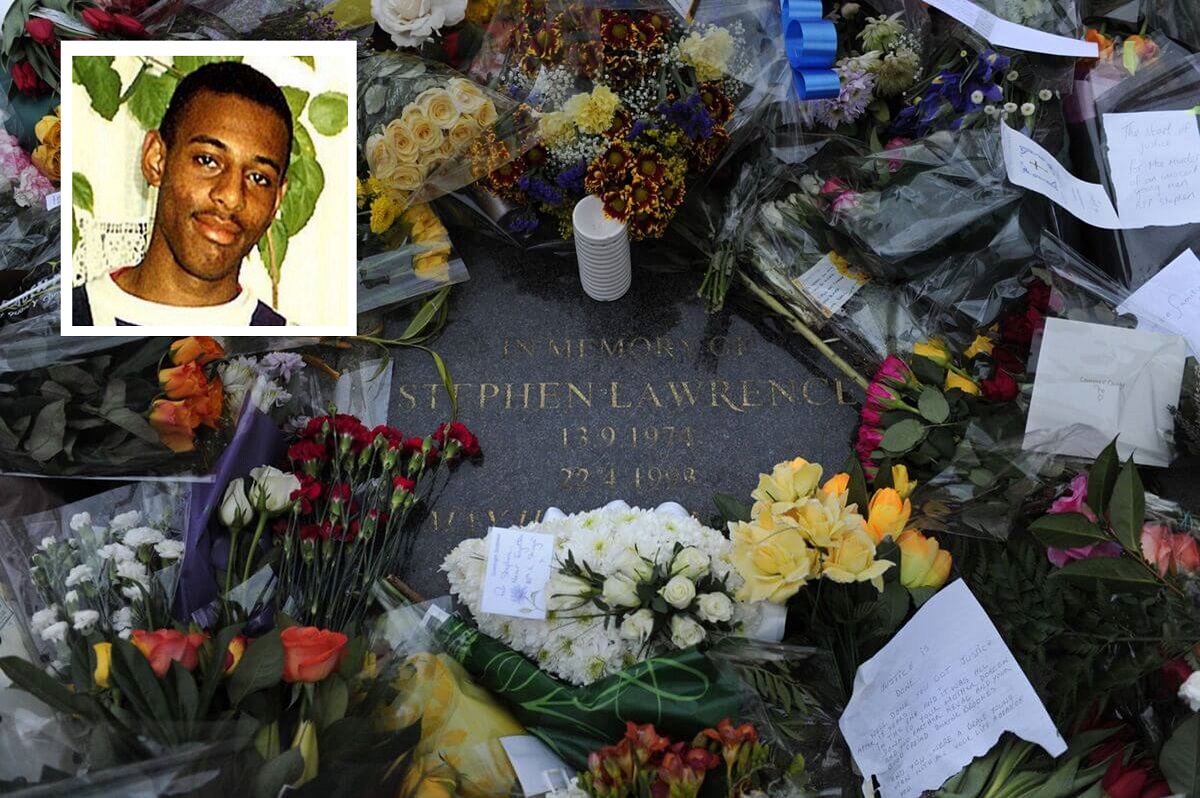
x=261, y=667
x=891, y=608
x=333, y=697
x=933, y=406
x=328, y=112
x=447, y=381
x=306, y=181
x=102, y=83
x=1066, y=531
x=730, y=508
x=308, y=59
x=81, y=192
x=272, y=248
x=302, y=143
x=429, y=309
x=922, y=594
x=1129, y=57
x=273, y=776
x=1124, y=570
x=927, y=371
x=46, y=438
x=1127, y=510
x=186, y=694
x=1180, y=757
x=356, y=652
x=857, y=490
x=133, y=676
x=150, y=97
x=74, y=232
x=1101, y=478
x=981, y=477
x=44, y=687
x=215, y=673
x=296, y=100
x=903, y=436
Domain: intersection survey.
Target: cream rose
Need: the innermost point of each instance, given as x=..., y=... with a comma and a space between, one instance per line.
x=714, y=608
x=401, y=140
x=620, y=591
x=437, y=105
x=467, y=97
x=411, y=22
x=427, y=135
x=679, y=592
x=405, y=177
x=486, y=115
x=637, y=627
x=463, y=132
x=690, y=562
x=685, y=632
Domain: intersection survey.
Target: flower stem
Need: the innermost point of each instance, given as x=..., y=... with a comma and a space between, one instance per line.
x=262, y=523
x=233, y=536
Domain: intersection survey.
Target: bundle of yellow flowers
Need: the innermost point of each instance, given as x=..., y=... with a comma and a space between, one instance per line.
x=801, y=530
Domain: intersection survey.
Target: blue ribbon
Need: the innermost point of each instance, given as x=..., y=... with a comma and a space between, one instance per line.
x=811, y=45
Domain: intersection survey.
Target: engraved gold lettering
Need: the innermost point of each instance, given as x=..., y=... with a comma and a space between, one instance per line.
x=614, y=387
x=681, y=391
x=563, y=351
x=633, y=344
x=723, y=395
x=484, y=395
x=648, y=394
x=573, y=391
x=841, y=399
x=746, y=402
x=809, y=399
x=547, y=392
x=407, y=396
x=610, y=351
x=777, y=388
x=716, y=345
x=433, y=389
x=665, y=344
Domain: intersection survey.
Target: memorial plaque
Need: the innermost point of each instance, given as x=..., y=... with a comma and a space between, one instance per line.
x=576, y=403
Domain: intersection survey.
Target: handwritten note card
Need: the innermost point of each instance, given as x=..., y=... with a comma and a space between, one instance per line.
x=1029, y=165
x=1170, y=301
x=1095, y=383
x=830, y=284
x=1154, y=158
x=938, y=695
x=518, y=569
x=1003, y=33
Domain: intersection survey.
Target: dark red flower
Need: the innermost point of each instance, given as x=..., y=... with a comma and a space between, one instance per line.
x=391, y=436
x=314, y=427
x=1000, y=388
x=414, y=444
x=308, y=492
x=27, y=80
x=1007, y=361
x=340, y=493
x=1039, y=297
x=403, y=484
x=458, y=433
x=306, y=451
x=128, y=27
x=99, y=20
x=347, y=425
x=310, y=532
x=1020, y=328
x=451, y=46
x=40, y=30
x=1175, y=673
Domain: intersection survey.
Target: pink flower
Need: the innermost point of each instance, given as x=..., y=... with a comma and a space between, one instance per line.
x=846, y=201
x=834, y=185
x=1169, y=552
x=1073, y=502
x=871, y=416
x=881, y=397
x=896, y=164
x=868, y=441
x=1060, y=557
x=32, y=187
x=894, y=370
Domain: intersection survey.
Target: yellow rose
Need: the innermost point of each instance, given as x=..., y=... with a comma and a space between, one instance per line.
x=447, y=149
x=823, y=519
x=852, y=559
x=556, y=128
x=775, y=564
x=103, y=663
x=922, y=562
x=981, y=345
x=838, y=483
x=964, y=384
x=427, y=135
x=934, y=349
x=405, y=177
x=467, y=97
x=708, y=53
x=463, y=132
x=47, y=156
x=437, y=105
x=400, y=138
x=593, y=113
x=900, y=481
x=887, y=514
x=787, y=482
x=486, y=115
x=382, y=160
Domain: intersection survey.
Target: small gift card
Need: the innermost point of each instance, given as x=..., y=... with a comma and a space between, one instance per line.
x=1170, y=301
x=1095, y=383
x=518, y=570
x=831, y=283
x=912, y=725
x=539, y=770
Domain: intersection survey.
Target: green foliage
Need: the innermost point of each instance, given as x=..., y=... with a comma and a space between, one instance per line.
x=1066, y=530
x=329, y=113
x=730, y=509
x=261, y=667
x=149, y=97
x=903, y=436
x=933, y=406
x=1102, y=477
x=1127, y=508
x=102, y=83
x=1180, y=757
x=82, y=196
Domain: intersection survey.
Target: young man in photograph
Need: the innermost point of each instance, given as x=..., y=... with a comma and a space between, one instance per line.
x=219, y=160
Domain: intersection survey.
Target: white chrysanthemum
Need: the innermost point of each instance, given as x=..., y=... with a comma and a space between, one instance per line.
x=55, y=632
x=42, y=619
x=46, y=543
x=122, y=621
x=142, y=536
x=123, y=521
x=169, y=549
x=115, y=551
x=80, y=520
x=78, y=575
x=71, y=597
x=85, y=620
x=133, y=571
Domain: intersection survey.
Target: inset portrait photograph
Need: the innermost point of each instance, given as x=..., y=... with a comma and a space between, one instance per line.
x=209, y=188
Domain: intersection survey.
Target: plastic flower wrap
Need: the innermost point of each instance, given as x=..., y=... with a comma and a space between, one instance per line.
x=626, y=584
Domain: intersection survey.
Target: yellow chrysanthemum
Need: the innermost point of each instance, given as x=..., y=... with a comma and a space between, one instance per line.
x=384, y=211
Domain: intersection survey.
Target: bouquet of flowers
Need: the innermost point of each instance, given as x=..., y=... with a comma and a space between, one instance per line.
x=627, y=584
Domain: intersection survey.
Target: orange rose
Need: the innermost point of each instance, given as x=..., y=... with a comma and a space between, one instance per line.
x=233, y=655
x=199, y=348
x=206, y=407
x=175, y=422
x=168, y=645
x=184, y=381
x=310, y=654
x=1103, y=42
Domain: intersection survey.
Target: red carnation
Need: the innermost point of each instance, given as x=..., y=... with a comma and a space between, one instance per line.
x=391, y=436
x=403, y=484
x=27, y=80
x=310, y=532
x=40, y=30
x=308, y=492
x=99, y=20
x=314, y=427
x=306, y=451
x=1000, y=388
x=459, y=433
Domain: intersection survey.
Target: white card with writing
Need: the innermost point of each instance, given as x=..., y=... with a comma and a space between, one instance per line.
x=1095, y=383
x=938, y=695
x=1154, y=160
x=1170, y=300
x=1003, y=33
x=539, y=770
x=1029, y=165
x=53, y=200
x=518, y=570
x=831, y=283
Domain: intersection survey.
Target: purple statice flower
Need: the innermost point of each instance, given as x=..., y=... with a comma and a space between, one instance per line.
x=570, y=179
x=541, y=190
x=857, y=88
x=640, y=127
x=524, y=222
x=690, y=116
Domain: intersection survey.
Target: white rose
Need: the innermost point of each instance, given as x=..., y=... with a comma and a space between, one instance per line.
x=714, y=608
x=235, y=510
x=170, y=549
x=1189, y=692
x=620, y=591
x=42, y=619
x=679, y=592
x=86, y=619
x=467, y=97
x=566, y=592
x=638, y=627
x=272, y=489
x=127, y=520
x=80, y=520
x=690, y=562
x=685, y=632
x=634, y=565
x=411, y=22
x=55, y=632
x=142, y=536
x=78, y=575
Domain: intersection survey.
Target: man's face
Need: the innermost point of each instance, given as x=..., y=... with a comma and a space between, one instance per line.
x=220, y=182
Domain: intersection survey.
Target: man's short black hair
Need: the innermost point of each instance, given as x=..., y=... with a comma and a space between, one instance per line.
x=226, y=77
